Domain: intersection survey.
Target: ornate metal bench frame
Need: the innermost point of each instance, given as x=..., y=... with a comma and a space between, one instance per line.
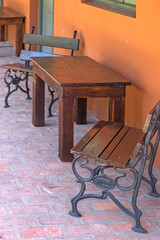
x=145, y=151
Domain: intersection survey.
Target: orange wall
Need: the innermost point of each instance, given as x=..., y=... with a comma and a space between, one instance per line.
x=130, y=46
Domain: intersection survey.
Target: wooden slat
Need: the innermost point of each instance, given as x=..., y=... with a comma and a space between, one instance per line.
x=17, y=66
x=147, y=122
x=25, y=55
x=114, y=143
x=51, y=41
x=90, y=134
x=149, y=117
x=101, y=140
x=121, y=155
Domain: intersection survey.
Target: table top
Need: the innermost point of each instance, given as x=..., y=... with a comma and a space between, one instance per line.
x=6, y=13
x=77, y=71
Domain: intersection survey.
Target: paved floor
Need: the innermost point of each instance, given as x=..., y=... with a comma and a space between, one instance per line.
x=36, y=188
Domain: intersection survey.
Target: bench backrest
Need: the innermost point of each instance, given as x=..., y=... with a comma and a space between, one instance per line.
x=50, y=41
x=151, y=126
x=152, y=117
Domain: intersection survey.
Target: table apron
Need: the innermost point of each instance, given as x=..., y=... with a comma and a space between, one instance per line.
x=11, y=21
x=95, y=91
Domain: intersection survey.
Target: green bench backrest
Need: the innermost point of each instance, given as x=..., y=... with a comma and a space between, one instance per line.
x=51, y=41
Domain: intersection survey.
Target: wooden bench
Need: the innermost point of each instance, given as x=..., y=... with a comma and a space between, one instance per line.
x=19, y=72
x=121, y=151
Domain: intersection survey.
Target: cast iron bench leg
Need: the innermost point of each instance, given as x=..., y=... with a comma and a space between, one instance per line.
x=51, y=101
x=12, y=79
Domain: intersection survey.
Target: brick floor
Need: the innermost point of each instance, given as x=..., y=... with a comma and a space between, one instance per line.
x=36, y=188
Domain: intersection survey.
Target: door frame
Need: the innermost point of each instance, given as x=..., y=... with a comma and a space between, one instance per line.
x=40, y=12
x=40, y=19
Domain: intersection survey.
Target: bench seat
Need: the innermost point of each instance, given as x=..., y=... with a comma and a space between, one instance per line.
x=109, y=143
x=18, y=67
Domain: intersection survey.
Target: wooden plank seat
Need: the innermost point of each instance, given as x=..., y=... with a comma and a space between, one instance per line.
x=17, y=72
x=123, y=149
x=18, y=66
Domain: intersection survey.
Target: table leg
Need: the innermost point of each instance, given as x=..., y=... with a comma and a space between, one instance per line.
x=38, y=101
x=19, y=38
x=80, y=111
x=66, y=128
x=116, y=109
x=2, y=33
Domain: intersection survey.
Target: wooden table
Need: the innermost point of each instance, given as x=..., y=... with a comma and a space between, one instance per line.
x=10, y=17
x=75, y=78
